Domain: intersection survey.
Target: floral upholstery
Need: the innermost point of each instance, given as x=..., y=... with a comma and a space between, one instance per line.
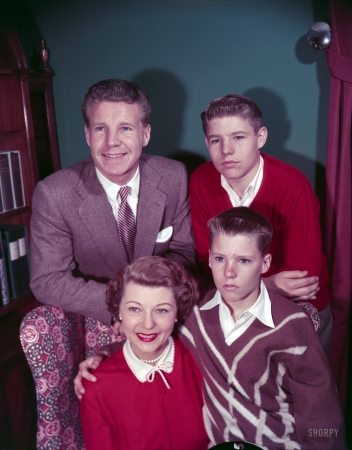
x=312, y=313
x=97, y=335
x=55, y=342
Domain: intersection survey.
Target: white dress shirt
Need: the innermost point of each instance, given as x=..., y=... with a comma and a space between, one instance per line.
x=251, y=190
x=232, y=329
x=146, y=372
x=112, y=189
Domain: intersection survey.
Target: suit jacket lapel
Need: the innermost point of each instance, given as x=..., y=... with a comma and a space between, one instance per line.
x=96, y=214
x=150, y=211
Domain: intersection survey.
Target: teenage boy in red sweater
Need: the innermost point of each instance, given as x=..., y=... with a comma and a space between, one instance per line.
x=239, y=175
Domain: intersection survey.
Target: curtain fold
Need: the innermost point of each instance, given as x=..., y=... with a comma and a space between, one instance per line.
x=338, y=179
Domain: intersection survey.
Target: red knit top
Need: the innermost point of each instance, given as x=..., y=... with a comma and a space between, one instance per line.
x=119, y=412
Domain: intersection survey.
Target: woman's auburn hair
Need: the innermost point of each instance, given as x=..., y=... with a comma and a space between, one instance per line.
x=155, y=271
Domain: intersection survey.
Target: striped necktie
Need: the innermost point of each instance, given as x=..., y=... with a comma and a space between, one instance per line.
x=126, y=224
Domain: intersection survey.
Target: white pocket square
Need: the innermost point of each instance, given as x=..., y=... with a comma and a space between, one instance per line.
x=165, y=234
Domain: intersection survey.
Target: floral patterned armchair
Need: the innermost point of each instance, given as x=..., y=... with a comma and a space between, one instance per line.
x=54, y=343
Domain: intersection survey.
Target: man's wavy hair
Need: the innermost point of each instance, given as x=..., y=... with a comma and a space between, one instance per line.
x=242, y=220
x=233, y=105
x=115, y=90
x=154, y=271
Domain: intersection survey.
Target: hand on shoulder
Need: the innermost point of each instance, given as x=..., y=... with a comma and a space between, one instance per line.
x=93, y=362
x=295, y=285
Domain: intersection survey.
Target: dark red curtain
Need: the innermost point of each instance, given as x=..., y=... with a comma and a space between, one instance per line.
x=338, y=174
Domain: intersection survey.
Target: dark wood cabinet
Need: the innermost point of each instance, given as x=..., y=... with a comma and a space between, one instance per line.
x=27, y=124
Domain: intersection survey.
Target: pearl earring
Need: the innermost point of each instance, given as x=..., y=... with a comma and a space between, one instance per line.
x=175, y=320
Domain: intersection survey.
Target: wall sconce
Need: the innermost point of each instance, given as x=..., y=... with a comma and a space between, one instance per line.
x=319, y=35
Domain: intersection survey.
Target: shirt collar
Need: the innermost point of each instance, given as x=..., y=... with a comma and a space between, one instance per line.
x=261, y=309
x=146, y=372
x=112, y=189
x=251, y=190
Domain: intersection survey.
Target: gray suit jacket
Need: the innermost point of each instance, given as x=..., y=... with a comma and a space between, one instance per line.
x=75, y=246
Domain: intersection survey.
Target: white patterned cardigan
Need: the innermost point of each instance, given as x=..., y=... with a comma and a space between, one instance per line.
x=272, y=387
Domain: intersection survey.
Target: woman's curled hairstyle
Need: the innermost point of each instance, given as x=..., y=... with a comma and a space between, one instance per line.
x=154, y=271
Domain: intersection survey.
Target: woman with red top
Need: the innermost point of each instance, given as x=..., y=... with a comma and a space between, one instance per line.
x=148, y=394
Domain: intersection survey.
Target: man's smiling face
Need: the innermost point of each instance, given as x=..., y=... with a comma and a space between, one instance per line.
x=116, y=137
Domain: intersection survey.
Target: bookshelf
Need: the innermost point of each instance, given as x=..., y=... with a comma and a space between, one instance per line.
x=27, y=124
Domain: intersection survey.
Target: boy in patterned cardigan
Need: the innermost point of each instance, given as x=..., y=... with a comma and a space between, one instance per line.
x=266, y=377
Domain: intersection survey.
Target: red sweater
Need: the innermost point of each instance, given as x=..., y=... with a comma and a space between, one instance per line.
x=119, y=412
x=286, y=198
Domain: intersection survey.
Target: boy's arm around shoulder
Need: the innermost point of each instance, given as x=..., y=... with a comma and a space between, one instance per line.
x=295, y=216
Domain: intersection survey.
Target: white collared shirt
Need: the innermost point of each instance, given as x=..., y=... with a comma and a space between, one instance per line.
x=112, y=189
x=146, y=372
x=251, y=190
x=232, y=329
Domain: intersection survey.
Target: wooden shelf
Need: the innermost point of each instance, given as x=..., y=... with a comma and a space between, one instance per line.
x=8, y=215
x=16, y=304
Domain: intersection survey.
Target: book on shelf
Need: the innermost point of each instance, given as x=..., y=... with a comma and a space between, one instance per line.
x=16, y=253
x=16, y=178
x=5, y=181
x=11, y=181
x=4, y=288
x=23, y=245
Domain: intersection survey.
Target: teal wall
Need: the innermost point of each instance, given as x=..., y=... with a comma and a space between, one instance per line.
x=184, y=53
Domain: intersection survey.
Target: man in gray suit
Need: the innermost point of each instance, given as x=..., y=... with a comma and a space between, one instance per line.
x=76, y=236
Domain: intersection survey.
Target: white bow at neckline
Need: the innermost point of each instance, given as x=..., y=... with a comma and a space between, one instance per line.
x=165, y=366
